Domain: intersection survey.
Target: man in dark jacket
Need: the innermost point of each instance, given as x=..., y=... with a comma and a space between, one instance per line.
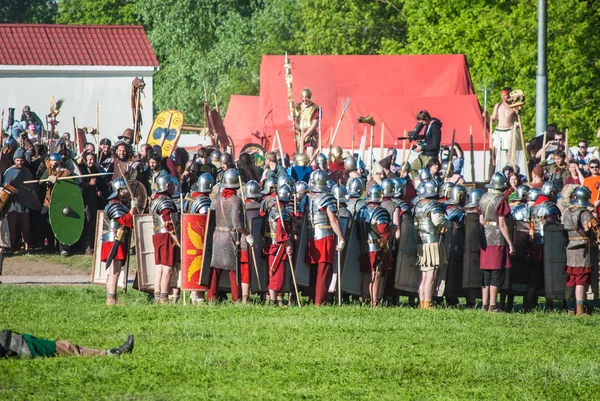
x=429, y=142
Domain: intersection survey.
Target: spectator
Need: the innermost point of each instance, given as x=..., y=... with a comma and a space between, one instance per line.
x=248, y=171
x=552, y=146
x=575, y=176
x=559, y=170
x=593, y=181
x=537, y=175
x=514, y=182
x=205, y=164
x=582, y=156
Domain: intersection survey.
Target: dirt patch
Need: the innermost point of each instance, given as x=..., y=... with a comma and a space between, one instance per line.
x=14, y=266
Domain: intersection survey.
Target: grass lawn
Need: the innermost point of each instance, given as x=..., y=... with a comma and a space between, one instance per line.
x=235, y=352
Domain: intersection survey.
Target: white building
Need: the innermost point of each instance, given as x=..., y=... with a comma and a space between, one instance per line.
x=83, y=64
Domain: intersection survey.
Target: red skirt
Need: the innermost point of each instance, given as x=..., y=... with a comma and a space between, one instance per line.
x=495, y=257
x=245, y=267
x=370, y=261
x=105, y=251
x=277, y=280
x=164, y=252
x=320, y=250
x=578, y=276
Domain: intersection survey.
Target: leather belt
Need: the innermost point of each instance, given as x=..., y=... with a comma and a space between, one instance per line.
x=321, y=226
x=271, y=235
x=223, y=229
x=579, y=239
x=490, y=223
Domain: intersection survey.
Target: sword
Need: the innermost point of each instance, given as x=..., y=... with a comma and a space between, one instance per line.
x=278, y=258
x=113, y=251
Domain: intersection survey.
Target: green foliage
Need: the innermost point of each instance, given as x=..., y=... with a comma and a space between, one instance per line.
x=102, y=12
x=237, y=352
x=27, y=11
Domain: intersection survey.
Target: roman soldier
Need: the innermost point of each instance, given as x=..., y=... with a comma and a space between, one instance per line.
x=278, y=249
x=336, y=166
x=301, y=189
x=93, y=190
x=519, y=272
x=226, y=162
x=543, y=212
x=430, y=216
x=165, y=218
x=321, y=162
x=323, y=225
x=445, y=190
x=199, y=203
x=350, y=169
x=582, y=229
x=496, y=244
x=307, y=121
x=252, y=197
x=341, y=196
x=190, y=175
x=454, y=241
x=410, y=191
x=230, y=224
x=393, y=207
x=119, y=219
x=355, y=190
x=374, y=235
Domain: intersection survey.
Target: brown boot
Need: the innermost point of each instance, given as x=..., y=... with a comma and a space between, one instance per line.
x=485, y=308
x=421, y=306
x=427, y=304
x=581, y=310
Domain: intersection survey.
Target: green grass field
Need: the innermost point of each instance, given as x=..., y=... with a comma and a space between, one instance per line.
x=236, y=352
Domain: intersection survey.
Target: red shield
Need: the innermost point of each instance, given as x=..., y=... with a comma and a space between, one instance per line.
x=193, y=230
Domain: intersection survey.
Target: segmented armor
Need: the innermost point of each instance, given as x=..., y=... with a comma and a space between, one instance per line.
x=200, y=205
x=368, y=219
x=317, y=214
x=112, y=212
x=159, y=204
x=580, y=241
x=538, y=219
x=424, y=210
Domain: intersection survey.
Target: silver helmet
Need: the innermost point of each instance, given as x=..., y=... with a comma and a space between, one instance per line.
x=231, y=179
x=430, y=189
x=549, y=189
x=301, y=190
x=350, y=163
x=389, y=189
x=458, y=196
x=215, y=156
x=252, y=190
x=375, y=194
x=534, y=194
x=399, y=187
x=355, y=187
x=405, y=167
x=420, y=190
x=321, y=160
x=55, y=157
x=119, y=183
x=498, y=181
x=330, y=184
x=424, y=175
x=318, y=181
x=285, y=179
x=226, y=158
x=164, y=184
x=581, y=197
x=340, y=193
x=445, y=189
x=284, y=192
x=521, y=193
x=444, y=168
x=205, y=183
x=474, y=198
x=269, y=186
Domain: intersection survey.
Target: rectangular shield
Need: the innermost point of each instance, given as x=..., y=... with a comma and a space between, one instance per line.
x=408, y=274
x=208, y=244
x=345, y=227
x=455, y=242
x=144, y=228
x=555, y=260
x=99, y=272
x=472, y=276
x=193, y=231
x=519, y=272
x=302, y=268
x=351, y=274
x=256, y=227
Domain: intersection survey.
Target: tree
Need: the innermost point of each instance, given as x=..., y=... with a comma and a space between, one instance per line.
x=102, y=12
x=27, y=11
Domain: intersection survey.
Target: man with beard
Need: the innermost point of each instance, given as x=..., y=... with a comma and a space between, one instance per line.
x=18, y=215
x=105, y=156
x=152, y=172
x=123, y=162
x=93, y=191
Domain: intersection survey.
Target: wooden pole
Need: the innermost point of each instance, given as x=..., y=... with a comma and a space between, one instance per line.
x=71, y=177
x=371, y=148
x=381, y=141
x=544, y=148
x=472, y=155
x=289, y=256
x=485, y=167
x=493, y=161
x=280, y=148
x=513, y=147
x=526, y=156
x=75, y=136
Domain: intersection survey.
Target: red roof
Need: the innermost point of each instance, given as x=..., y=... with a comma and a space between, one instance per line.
x=86, y=45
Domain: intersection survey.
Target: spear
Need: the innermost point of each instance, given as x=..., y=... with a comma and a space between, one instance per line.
x=251, y=247
x=289, y=256
x=339, y=122
x=70, y=177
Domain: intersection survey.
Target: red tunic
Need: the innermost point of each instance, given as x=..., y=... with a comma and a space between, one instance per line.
x=165, y=251
x=277, y=272
x=336, y=166
x=320, y=250
x=370, y=260
x=125, y=221
x=496, y=257
x=409, y=193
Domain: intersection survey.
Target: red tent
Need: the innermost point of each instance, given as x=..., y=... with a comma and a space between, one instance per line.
x=393, y=88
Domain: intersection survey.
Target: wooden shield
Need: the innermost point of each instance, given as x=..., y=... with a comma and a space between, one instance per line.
x=139, y=193
x=472, y=276
x=408, y=274
x=193, y=231
x=302, y=268
x=144, y=253
x=351, y=274
x=345, y=227
x=99, y=272
x=66, y=212
x=519, y=272
x=454, y=241
x=166, y=130
x=256, y=228
x=208, y=244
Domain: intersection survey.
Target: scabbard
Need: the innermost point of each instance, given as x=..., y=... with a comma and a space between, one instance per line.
x=278, y=259
x=112, y=254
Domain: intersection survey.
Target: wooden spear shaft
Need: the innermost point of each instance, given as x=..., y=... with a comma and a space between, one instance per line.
x=381, y=141
x=472, y=155
x=71, y=177
x=289, y=256
x=485, y=167
x=251, y=247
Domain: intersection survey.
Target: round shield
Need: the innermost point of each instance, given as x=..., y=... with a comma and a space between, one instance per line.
x=66, y=212
x=139, y=193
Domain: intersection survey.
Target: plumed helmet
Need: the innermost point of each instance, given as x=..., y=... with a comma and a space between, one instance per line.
x=340, y=193
x=269, y=186
x=355, y=187
x=285, y=179
x=399, y=187
x=581, y=197
x=231, y=179
x=284, y=192
x=302, y=159
x=458, y=196
x=424, y=175
x=534, y=194
x=225, y=158
x=430, y=189
x=191, y=166
x=474, y=198
x=405, y=166
x=205, y=183
x=549, y=189
x=215, y=155
x=389, y=189
x=321, y=160
x=375, y=194
x=306, y=92
x=252, y=190
x=350, y=163
x=164, y=183
x=498, y=181
x=330, y=184
x=119, y=183
x=318, y=181
x=336, y=154
x=55, y=157
x=445, y=189
x=521, y=193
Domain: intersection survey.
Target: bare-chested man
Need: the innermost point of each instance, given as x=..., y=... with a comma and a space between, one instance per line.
x=505, y=117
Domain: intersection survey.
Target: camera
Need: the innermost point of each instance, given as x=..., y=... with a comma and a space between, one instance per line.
x=415, y=132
